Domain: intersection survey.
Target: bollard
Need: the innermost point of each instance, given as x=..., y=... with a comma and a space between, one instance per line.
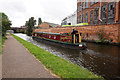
x=79, y=38
x=74, y=38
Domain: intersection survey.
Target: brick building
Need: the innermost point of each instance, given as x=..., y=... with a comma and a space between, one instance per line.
x=48, y=25
x=95, y=12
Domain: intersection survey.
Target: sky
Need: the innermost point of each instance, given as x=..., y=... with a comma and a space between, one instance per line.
x=19, y=11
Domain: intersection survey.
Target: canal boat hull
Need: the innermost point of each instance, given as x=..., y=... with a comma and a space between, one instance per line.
x=62, y=44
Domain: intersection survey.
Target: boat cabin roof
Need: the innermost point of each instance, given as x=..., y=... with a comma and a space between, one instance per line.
x=52, y=33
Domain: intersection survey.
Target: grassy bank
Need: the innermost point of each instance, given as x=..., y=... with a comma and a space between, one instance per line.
x=57, y=65
x=2, y=40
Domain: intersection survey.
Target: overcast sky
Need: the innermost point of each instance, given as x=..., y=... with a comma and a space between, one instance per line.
x=19, y=11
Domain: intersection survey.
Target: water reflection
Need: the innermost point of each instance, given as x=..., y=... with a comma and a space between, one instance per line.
x=100, y=59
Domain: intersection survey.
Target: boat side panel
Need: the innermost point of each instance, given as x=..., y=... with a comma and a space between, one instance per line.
x=62, y=38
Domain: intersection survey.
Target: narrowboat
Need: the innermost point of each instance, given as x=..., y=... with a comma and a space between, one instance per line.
x=60, y=39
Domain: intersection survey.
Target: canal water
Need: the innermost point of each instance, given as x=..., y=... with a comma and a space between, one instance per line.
x=103, y=60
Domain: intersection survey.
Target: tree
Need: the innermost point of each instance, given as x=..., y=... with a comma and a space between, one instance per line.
x=26, y=24
x=5, y=23
x=39, y=21
x=30, y=25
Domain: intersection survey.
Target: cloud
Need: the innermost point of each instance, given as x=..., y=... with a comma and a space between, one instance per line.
x=49, y=10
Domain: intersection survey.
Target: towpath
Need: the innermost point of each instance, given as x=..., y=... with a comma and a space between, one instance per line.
x=17, y=62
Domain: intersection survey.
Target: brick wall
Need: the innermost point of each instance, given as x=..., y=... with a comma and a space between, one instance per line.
x=111, y=31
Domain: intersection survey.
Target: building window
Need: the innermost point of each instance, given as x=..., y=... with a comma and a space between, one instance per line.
x=64, y=22
x=84, y=5
x=96, y=1
x=91, y=17
x=80, y=8
x=77, y=9
x=91, y=2
x=86, y=17
x=111, y=9
x=96, y=16
x=104, y=16
x=77, y=19
x=80, y=19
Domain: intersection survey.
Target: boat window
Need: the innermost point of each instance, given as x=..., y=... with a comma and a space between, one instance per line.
x=39, y=34
x=87, y=34
x=36, y=34
x=54, y=37
x=44, y=35
x=49, y=36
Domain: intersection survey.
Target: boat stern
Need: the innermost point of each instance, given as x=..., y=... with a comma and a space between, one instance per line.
x=82, y=46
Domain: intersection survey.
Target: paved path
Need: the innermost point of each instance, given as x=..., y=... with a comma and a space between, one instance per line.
x=17, y=62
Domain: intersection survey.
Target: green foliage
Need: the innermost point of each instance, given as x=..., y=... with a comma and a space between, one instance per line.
x=57, y=65
x=30, y=26
x=39, y=21
x=26, y=24
x=98, y=41
x=5, y=23
x=117, y=39
x=19, y=31
x=3, y=40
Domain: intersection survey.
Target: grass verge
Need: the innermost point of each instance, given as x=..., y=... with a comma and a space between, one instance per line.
x=57, y=65
x=2, y=40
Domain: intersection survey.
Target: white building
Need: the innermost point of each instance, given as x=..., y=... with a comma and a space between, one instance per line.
x=70, y=20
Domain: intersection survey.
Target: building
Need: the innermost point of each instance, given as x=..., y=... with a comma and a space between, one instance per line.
x=103, y=19
x=48, y=25
x=95, y=12
x=70, y=20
